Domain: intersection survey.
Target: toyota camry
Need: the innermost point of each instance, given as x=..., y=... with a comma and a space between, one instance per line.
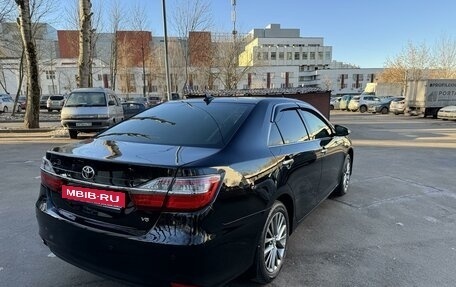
x=192, y=192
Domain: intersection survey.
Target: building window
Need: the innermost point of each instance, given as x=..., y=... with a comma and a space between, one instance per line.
x=301, y=78
x=320, y=55
x=281, y=55
x=304, y=55
x=312, y=55
x=289, y=56
x=273, y=56
x=302, y=68
x=328, y=55
x=296, y=56
x=258, y=56
x=265, y=56
x=50, y=75
x=99, y=77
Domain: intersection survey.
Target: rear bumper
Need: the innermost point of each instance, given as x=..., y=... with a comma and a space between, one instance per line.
x=150, y=259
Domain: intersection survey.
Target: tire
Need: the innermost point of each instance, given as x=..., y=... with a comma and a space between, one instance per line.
x=331, y=107
x=49, y=110
x=73, y=134
x=363, y=109
x=344, y=180
x=5, y=109
x=272, y=246
x=384, y=110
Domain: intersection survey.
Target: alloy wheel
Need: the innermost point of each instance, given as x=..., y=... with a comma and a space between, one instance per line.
x=346, y=175
x=275, y=242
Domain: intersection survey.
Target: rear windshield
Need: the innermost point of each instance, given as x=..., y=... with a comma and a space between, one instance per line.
x=183, y=124
x=86, y=99
x=56, y=98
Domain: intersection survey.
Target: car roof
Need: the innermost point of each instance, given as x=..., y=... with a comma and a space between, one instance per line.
x=91, y=90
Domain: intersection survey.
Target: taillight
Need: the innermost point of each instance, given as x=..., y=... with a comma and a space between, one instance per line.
x=47, y=177
x=179, y=194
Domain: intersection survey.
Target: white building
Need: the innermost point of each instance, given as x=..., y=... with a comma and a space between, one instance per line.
x=280, y=58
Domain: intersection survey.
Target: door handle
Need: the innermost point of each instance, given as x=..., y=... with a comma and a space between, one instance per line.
x=288, y=163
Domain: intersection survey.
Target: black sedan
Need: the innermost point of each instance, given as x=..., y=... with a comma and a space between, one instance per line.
x=192, y=192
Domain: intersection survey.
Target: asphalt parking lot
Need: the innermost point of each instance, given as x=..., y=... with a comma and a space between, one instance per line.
x=395, y=227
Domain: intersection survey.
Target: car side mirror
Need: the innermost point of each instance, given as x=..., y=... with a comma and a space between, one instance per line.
x=111, y=103
x=341, y=131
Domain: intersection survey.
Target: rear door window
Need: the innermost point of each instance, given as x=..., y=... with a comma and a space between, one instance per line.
x=291, y=126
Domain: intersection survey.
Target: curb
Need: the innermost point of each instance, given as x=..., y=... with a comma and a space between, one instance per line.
x=38, y=130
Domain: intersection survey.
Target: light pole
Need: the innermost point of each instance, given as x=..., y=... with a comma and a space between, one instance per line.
x=168, y=85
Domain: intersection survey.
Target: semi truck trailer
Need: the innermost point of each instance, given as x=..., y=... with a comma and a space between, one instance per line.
x=427, y=97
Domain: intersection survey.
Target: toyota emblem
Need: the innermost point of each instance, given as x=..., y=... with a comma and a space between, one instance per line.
x=88, y=172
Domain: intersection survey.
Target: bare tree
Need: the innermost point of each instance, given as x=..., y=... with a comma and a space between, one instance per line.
x=6, y=10
x=116, y=21
x=412, y=63
x=85, y=23
x=31, y=119
x=190, y=16
x=143, y=39
x=445, y=58
x=227, y=61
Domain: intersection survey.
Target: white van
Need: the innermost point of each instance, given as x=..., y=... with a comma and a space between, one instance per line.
x=90, y=110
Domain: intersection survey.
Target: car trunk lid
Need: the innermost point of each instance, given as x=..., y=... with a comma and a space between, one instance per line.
x=102, y=183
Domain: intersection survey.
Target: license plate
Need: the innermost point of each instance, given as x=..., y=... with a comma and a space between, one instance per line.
x=83, y=124
x=95, y=196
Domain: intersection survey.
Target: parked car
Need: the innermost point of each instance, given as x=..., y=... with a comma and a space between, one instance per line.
x=154, y=100
x=192, y=192
x=334, y=103
x=383, y=106
x=91, y=110
x=131, y=108
x=43, y=101
x=7, y=104
x=397, y=106
x=362, y=102
x=22, y=102
x=143, y=100
x=55, y=103
x=343, y=104
x=447, y=113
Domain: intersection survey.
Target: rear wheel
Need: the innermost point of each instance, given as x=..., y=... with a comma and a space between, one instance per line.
x=342, y=188
x=73, y=134
x=273, y=244
x=384, y=110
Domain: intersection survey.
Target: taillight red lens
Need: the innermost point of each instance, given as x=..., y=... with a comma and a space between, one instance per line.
x=53, y=182
x=148, y=200
x=192, y=193
x=179, y=194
